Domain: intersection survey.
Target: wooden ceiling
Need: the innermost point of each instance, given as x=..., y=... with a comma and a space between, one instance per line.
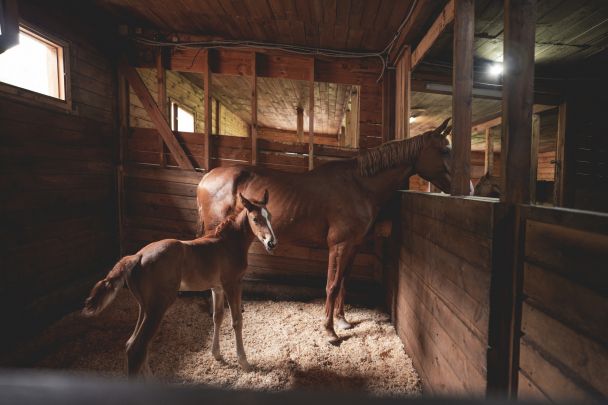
x=278, y=100
x=335, y=24
x=566, y=31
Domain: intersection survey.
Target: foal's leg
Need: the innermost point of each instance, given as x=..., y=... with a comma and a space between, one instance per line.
x=137, y=351
x=140, y=318
x=339, y=256
x=218, y=317
x=233, y=293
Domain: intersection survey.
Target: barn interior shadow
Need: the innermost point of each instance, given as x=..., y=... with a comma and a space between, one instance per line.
x=315, y=377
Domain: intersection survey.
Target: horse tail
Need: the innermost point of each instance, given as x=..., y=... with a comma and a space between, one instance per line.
x=105, y=290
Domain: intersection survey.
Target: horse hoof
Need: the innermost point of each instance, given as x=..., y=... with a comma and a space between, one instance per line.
x=245, y=365
x=217, y=356
x=342, y=324
x=334, y=340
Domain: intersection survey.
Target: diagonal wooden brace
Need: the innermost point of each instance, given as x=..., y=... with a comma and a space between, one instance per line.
x=157, y=117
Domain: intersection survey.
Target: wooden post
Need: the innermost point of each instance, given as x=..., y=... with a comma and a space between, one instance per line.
x=518, y=85
x=558, y=190
x=217, y=116
x=207, y=105
x=462, y=98
x=489, y=158
x=300, y=118
x=311, y=117
x=388, y=106
x=534, y=156
x=403, y=95
x=161, y=85
x=254, y=110
x=123, y=132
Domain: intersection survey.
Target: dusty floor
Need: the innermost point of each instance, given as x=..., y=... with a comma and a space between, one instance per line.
x=283, y=341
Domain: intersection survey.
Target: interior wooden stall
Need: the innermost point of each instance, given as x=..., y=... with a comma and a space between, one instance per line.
x=490, y=296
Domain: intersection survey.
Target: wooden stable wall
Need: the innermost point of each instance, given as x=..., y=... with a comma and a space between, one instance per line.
x=444, y=256
x=57, y=174
x=563, y=298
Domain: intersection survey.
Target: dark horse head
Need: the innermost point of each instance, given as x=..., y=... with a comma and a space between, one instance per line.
x=434, y=159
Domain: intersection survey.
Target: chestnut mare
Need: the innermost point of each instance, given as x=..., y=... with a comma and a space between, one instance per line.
x=334, y=205
x=155, y=274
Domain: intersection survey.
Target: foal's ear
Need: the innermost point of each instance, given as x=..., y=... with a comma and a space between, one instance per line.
x=246, y=203
x=265, y=199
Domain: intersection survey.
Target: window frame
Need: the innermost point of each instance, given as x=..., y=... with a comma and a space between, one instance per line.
x=63, y=58
x=184, y=107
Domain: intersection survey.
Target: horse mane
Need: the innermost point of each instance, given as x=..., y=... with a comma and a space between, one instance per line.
x=221, y=229
x=390, y=154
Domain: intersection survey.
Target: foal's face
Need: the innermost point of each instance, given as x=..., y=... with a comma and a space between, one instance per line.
x=259, y=221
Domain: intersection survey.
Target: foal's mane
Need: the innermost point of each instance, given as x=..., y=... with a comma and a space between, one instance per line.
x=389, y=155
x=223, y=227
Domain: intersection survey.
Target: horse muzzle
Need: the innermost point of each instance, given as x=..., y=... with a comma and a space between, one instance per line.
x=270, y=245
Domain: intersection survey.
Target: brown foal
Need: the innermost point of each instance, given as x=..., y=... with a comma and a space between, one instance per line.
x=216, y=261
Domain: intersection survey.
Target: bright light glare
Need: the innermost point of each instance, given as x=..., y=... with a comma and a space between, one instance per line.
x=495, y=69
x=412, y=119
x=31, y=65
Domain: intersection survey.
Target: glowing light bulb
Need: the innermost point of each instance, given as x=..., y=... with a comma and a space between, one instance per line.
x=495, y=69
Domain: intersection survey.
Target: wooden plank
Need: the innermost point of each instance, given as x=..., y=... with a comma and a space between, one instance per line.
x=300, y=124
x=489, y=153
x=550, y=378
x=171, y=175
x=254, y=110
x=462, y=99
x=421, y=8
x=518, y=84
x=584, y=357
x=535, y=143
x=440, y=24
x=575, y=305
x=527, y=390
x=156, y=115
x=207, y=110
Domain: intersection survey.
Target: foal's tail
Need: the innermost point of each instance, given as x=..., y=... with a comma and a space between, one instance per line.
x=105, y=290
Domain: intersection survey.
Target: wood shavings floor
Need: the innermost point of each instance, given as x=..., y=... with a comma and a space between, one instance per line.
x=283, y=340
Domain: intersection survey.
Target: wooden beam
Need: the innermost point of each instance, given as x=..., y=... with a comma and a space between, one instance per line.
x=421, y=8
x=462, y=99
x=403, y=96
x=207, y=105
x=124, y=106
x=388, y=106
x=518, y=85
x=157, y=117
x=254, y=110
x=311, y=117
x=489, y=156
x=300, y=123
x=161, y=86
x=217, y=116
x=440, y=24
x=560, y=173
x=495, y=119
x=534, y=156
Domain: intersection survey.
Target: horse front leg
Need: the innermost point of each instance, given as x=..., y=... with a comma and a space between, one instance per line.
x=339, y=256
x=218, y=317
x=341, y=322
x=233, y=293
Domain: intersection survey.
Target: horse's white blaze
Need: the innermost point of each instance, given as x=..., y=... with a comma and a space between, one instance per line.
x=265, y=215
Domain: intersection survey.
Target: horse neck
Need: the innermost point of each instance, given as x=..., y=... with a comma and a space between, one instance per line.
x=383, y=184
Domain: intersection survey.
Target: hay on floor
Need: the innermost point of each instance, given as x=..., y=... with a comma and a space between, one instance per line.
x=283, y=340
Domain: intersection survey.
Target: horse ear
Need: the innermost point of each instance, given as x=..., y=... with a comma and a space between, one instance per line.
x=265, y=199
x=441, y=129
x=447, y=131
x=246, y=203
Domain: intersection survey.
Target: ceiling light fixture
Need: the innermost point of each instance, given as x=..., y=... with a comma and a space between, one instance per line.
x=495, y=69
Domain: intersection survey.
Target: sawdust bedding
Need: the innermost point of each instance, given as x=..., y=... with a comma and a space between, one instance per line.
x=284, y=342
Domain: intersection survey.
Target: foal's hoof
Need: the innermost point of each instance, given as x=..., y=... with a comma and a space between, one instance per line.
x=245, y=365
x=342, y=324
x=334, y=340
x=217, y=355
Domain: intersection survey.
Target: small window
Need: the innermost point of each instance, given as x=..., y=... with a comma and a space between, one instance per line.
x=36, y=64
x=182, y=118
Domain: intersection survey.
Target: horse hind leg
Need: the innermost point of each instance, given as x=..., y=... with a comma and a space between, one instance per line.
x=233, y=293
x=218, y=317
x=137, y=350
x=341, y=322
